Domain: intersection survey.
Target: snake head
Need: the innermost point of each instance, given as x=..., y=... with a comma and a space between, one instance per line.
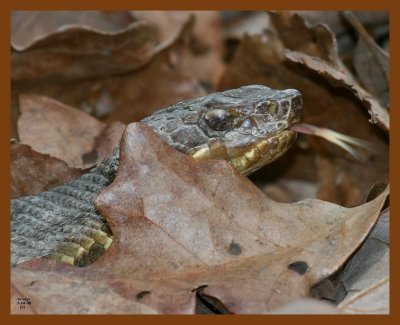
x=247, y=126
x=254, y=110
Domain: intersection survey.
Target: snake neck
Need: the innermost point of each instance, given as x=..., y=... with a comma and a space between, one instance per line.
x=62, y=223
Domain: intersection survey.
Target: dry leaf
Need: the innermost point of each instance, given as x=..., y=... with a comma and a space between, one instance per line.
x=368, y=265
x=128, y=97
x=289, y=190
x=315, y=47
x=79, y=296
x=372, y=300
x=28, y=26
x=17, y=300
x=379, y=115
x=187, y=230
x=334, y=19
x=109, y=139
x=205, y=43
x=306, y=306
x=58, y=130
x=370, y=62
x=242, y=23
x=168, y=23
x=32, y=172
x=66, y=46
x=180, y=224
x=296, y=35
x=166, y=80
x=76, y=52
x=258, y=60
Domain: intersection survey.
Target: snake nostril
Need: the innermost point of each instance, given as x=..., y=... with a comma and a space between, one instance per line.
x=297, y=103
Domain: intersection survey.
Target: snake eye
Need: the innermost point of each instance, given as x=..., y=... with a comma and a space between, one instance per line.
x=219, y=119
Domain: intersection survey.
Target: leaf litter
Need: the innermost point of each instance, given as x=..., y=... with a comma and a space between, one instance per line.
x=185, y=229
x=190, y=224
x=26, y=171
x=263, y=59
x=58, y=130
x=371, y=62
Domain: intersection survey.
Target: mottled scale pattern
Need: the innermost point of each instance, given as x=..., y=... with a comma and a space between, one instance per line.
x=66, y=213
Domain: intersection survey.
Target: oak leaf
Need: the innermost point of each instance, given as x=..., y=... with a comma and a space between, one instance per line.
x=181, y=224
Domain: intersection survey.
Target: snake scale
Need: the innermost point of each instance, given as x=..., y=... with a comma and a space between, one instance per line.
x=248, y=127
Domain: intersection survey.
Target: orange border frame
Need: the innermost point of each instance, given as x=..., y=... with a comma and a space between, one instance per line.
x=9, y=5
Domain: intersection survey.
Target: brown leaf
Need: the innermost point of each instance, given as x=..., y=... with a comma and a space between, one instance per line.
x=32, y=172
x=242, y=23
x=335, y=185
x=65, y=46
x=368, y=264
x=165, y=80
x=79, y=296
x=58, y=130
x=206, y=47
x=19, y=304
x=318, y=44
x=289, y=190
x=75, y=52
x=109, y=139
x=379, y=115
x=306, y=306
x=377, y=188
x=258, y=60
x=28, y=26
x=297, y=35
x=334, y=19
x=180, y=224
x=371, y=300
x=168, y=23
x=370, y=62
x=205, y=43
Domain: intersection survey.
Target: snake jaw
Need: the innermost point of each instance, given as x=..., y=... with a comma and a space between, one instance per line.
x=264, y=152
x=273, y=136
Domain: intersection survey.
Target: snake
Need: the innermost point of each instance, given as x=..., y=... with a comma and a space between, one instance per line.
x=249, y=127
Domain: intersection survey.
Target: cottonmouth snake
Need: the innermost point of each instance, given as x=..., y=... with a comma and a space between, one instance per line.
x=247, y=126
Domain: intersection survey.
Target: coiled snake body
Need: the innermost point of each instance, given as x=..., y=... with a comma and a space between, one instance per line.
x=247, y=126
